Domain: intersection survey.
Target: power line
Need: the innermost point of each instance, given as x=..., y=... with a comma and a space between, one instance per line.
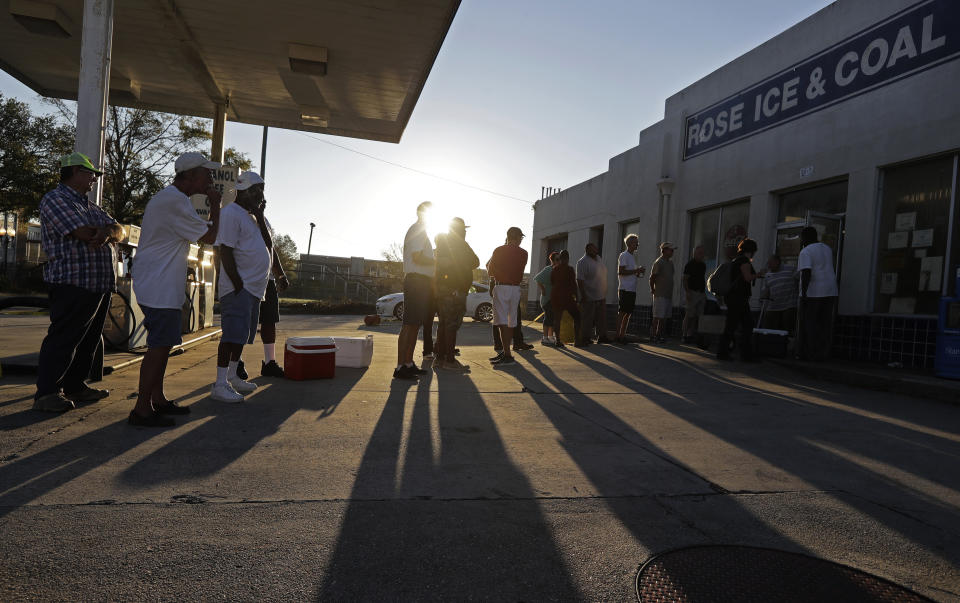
x=415, y=170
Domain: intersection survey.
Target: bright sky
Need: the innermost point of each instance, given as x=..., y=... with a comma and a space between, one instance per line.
x=522, y=95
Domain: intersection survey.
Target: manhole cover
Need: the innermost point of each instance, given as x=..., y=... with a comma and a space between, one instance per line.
x=739, y=573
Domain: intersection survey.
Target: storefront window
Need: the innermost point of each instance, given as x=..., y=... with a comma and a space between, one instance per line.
x=827, y=198
x=913, y=237
x=718, y=230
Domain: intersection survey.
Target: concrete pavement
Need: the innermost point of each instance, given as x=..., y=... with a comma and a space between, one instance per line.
x=551, y=480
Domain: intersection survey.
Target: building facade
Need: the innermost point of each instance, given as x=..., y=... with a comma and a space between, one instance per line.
x=848, y=122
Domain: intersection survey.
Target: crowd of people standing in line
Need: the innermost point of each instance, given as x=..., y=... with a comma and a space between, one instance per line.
x=437, y=280
x=81, y=272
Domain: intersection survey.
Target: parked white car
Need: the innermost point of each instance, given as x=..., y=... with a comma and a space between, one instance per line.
x=479, y=304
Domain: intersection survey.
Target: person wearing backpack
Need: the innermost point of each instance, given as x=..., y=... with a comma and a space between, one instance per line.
x=737, y=298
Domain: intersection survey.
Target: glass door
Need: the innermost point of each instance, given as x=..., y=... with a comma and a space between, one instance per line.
x=830, y=232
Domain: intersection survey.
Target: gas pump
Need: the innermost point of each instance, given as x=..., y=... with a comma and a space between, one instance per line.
x=123, y=329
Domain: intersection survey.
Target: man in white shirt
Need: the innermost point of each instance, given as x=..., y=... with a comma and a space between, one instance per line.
x=170, y=225
x=592, y=282
x=818, y=294
x=246, y=252
x=627, y=274
x=418, y=271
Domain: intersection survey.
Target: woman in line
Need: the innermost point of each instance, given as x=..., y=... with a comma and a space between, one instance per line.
x=742, y=276
x=563, y=294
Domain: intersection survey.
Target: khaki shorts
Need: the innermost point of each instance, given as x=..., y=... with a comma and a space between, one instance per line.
x=696, y=300
x=662, y=307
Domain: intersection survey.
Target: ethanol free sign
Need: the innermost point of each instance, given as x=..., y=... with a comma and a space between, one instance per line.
x=915, y=39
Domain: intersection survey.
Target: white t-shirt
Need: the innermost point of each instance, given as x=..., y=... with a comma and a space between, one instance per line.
x=272, y=235
x=628, y=282
x=594, y=276
x=818, y=257
x=417, y=240
x=239, y=231
x=170, y=225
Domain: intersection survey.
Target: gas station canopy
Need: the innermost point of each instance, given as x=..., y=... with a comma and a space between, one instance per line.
x=343, y=67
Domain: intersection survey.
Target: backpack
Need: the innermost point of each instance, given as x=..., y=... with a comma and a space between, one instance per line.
x=720, y=281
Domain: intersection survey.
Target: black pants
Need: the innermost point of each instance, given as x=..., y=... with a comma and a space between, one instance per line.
x=816, y=325
x=738, y=315
x=517, y=331
x=72, y=341
x=428, y=326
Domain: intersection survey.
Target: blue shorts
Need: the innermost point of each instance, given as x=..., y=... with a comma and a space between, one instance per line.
x=164, y=326
x=239, y=316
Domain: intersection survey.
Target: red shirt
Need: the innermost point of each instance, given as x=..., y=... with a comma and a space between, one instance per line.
x=507, y=264
x=564, y=282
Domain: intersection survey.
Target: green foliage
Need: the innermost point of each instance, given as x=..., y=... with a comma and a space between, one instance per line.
x=30, y=147
x=286, y=250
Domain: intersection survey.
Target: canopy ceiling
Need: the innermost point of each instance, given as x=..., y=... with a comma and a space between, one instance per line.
x=264, y=59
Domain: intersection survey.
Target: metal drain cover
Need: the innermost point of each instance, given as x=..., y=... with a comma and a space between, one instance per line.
x=703, y=574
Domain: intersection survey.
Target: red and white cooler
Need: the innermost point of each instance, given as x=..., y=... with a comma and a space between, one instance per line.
x=309, y=358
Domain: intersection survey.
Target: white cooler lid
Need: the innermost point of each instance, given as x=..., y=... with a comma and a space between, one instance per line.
x=311, y=341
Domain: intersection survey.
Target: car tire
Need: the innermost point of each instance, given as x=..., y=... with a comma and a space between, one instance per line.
x=398, y=311
x=484, y=312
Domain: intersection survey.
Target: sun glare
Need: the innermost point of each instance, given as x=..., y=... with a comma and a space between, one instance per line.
x=438, y=219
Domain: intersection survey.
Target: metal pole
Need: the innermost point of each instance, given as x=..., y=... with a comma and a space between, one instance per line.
x=263, y=154
x=310, y=240
x=219, y=130
x=94, y=83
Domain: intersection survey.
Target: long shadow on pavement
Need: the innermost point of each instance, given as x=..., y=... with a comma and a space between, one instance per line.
x=396, y=544
x=829, y=446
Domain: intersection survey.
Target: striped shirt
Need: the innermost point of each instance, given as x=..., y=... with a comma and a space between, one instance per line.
x=781, y=289
x=70, y=260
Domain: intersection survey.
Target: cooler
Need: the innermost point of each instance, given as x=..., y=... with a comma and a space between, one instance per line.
x=354, y=352
x=309, y=358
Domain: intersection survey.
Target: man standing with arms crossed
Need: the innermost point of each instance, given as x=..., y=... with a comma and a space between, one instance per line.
x=80, y=272
x=418, y=271
x=592, y=282
x=661, y=288
x=506, y=266
x=245, y=257
x=455, y=264
x=627, y=273
x=170, y=225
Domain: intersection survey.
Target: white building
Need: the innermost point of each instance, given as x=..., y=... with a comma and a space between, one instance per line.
x=848, y=121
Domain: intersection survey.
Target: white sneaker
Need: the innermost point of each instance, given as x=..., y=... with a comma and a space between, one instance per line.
x=546, y=341
x=244, y=387
x=224, y=392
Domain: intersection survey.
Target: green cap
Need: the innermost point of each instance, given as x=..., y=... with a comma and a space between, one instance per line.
x=78, y=159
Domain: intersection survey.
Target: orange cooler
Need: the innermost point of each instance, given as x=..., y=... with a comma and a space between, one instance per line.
x=309, y=358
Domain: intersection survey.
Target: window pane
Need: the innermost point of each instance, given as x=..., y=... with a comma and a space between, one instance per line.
x=734, y=227
x=828, y=198
x=913, y=237
x=703, y=232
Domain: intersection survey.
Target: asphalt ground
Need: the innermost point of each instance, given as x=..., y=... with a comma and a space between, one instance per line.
x=554, y=479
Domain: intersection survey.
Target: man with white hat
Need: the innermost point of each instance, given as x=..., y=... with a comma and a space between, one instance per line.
x=246, y=252
x=170, y=225
x=661, y=289
x=80, y=273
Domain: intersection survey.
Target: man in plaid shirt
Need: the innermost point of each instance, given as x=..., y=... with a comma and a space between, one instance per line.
x=78, y=238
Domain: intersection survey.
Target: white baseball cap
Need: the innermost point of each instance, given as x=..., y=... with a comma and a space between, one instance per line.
x=248, y=179
x=188, y=161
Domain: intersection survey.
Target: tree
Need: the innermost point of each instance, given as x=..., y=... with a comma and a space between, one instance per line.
x=30, y=147
x=286, y=251
x=393, y=253
x=141, y=147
